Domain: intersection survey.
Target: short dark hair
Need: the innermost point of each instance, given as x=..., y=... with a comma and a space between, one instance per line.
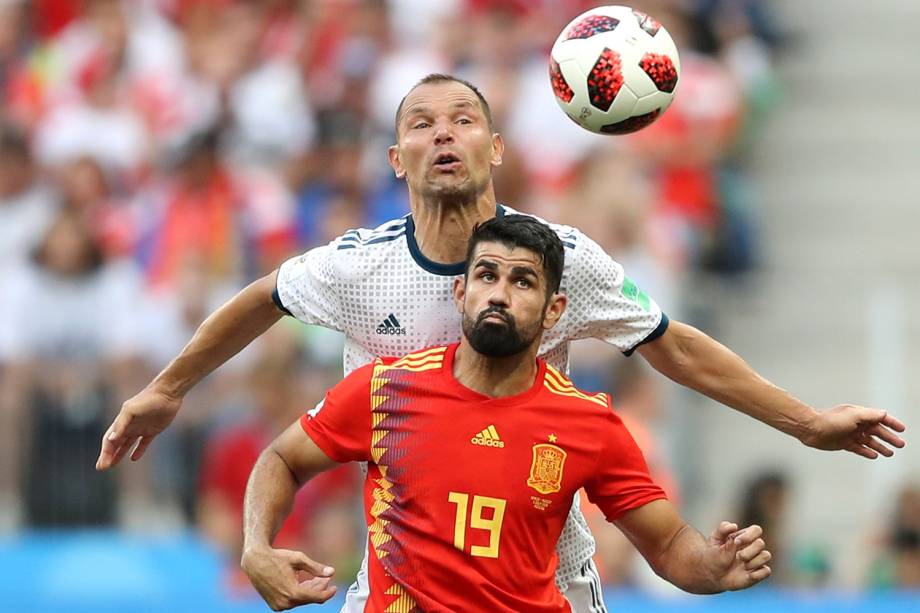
x=527, y=232
x=437, y=77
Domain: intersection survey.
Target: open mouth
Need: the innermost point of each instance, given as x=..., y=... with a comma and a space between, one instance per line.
x=446, y=161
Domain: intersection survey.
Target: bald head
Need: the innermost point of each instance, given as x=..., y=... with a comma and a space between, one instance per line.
x=436, y=78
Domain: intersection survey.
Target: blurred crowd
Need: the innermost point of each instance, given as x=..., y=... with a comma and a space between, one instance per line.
x=157, y=155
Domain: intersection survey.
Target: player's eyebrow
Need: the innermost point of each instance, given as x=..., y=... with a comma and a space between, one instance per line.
x=520, y=271
x=416, y=110
x=424, y=110
x=524, y=271
x=487, y=264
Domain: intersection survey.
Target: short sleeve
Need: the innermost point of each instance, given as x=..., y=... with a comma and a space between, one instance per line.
x=341, y=424
x=306, y=288
x=603, y=302
x=622, y=481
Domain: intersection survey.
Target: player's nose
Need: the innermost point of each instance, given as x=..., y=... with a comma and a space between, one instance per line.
x=443, y=133
x=500, y=296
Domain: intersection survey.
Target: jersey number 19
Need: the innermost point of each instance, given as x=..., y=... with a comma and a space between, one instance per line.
x=478, y=522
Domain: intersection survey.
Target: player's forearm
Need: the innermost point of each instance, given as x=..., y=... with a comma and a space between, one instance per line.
x=686, y=563
x=697, y=361
x=222, y=335
x=268, y=500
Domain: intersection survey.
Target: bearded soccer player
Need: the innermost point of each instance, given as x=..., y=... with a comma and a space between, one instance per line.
x=390, y=291
x=474, y=453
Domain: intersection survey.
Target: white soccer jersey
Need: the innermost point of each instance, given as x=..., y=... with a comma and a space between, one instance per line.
x=388, y=299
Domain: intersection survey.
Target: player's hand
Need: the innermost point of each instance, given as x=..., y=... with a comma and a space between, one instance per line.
x=141, y=418
x=286, y=579
x=860, y=430
x=738, y=558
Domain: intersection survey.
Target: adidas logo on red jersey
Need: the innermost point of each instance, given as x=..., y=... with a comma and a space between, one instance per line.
x=488, y=438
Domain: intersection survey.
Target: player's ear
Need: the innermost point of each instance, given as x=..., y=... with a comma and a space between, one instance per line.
x=395, y=163
x=459, y=292
x=498, y=149
x=554, y=310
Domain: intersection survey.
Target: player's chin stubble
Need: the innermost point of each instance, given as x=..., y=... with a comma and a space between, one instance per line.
x=495, y=340
x=460, y=192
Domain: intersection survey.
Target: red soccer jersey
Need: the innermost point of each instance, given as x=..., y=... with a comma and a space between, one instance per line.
x=466, y=495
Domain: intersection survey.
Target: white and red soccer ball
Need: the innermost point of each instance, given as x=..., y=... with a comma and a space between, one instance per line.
x=614, y=70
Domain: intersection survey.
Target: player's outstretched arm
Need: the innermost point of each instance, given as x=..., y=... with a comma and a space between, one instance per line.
x=222, y=335
x=691, y=358
x=284, y=578
x=730, y=559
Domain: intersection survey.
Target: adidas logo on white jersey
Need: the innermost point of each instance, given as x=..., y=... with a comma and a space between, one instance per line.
x=488, y=438
x=390, y=325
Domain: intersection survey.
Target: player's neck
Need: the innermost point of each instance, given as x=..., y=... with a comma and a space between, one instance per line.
x=442, y=229
x=495, y=377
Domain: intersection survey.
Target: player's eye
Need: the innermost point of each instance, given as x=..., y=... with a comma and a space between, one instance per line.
x=419, y=124
x=464, y=120
x=487, y=276
x=524, y=283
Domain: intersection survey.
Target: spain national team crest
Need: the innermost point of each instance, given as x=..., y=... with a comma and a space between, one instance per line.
x=546, y=470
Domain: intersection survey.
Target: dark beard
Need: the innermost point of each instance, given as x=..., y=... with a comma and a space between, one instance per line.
x=495, y=340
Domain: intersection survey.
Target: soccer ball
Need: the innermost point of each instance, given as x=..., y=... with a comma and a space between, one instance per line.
x=614, y=70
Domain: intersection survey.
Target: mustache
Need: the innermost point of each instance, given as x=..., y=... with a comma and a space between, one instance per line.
x=495, y=310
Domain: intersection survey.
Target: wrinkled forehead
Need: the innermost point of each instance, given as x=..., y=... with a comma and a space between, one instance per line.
x=506, y=255
x=440, y=97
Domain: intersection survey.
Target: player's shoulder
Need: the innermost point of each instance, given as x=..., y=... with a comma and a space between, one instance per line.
x=365, y=239
x=431, y=358
x=358, y=253
x=564, y=392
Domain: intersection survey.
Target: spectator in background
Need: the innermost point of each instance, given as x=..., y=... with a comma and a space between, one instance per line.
x=90, y=112
x=27, y=207
x=898, y=564
x=340, y=56
x=743, y=40
x=905, y=539
x=906, y=548
x=763, y=500
x=238, y=64
x=87, y=190
x=333, y=181
x=73, y=349
x=27, y=204
x=237, y=222
x=326, y=513
x=802, y=564
x=20, y=90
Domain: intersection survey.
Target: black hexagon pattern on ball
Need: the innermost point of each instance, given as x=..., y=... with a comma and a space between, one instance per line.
x=592, y=25
x=605, y=79
x=631, y=124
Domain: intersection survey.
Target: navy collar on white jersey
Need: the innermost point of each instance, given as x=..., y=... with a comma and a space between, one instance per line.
x=436, y=268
